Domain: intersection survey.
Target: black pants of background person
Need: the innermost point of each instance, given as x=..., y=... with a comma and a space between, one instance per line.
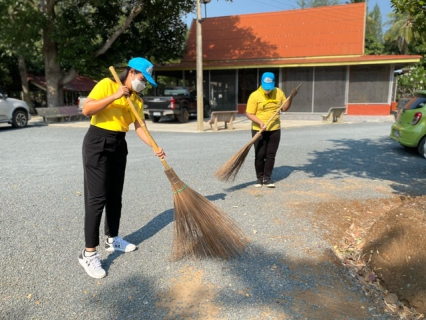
x=104, y=162
x=265, y=151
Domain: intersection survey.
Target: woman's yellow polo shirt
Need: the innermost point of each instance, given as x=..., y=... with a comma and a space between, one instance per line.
x=264, y=106
x=117, y=116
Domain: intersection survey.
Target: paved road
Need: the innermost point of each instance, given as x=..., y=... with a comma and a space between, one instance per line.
x=285, y=273
x=288, y=120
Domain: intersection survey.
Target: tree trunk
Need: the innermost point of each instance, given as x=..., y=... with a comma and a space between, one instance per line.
x=25, y=87
x=53, y=72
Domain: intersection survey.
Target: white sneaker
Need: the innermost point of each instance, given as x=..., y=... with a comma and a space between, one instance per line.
x=119, y=244
x=269, y=184
x=259, y=183
x=92, y=265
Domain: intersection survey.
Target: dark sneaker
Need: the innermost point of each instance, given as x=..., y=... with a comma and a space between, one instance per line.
x=259, y=183
x=269, y=184
x=92, y=265
x=119, y=244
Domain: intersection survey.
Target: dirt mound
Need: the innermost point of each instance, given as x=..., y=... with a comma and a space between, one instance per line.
x=383, y=244
x=397, y=244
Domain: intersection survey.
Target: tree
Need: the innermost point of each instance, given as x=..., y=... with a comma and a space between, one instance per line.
x=316, y=3
x=374, y=24
x=415, y=9
x=75, y=36
x=20, y=38
x=401, y=31
x=409, y=6
x=372, y=46
x=373, y=32
x=414, y=80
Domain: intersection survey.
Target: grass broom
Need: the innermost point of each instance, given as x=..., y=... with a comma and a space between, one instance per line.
x=201, y=229
x=229, y=170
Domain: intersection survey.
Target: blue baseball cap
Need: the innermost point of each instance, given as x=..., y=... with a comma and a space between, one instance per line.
x=144, y=66
x=268, y=81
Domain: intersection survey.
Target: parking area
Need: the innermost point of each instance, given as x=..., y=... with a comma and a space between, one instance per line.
x=288, y=270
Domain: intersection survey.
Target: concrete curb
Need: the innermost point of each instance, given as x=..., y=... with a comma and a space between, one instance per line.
x=240, y=123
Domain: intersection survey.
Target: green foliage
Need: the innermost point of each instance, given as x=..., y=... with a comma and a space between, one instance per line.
x=7, y=65
x=372, y=46
x=390, y=47
x=419, y=48
x=373, y=32
x=409, y=6
x=317, y=3
x=81, y=28
x=415, y=10
x=412, y=81
x=20, y=36
x=374, y=24
x=401, y=31
x=158, y=26
x=20, y=28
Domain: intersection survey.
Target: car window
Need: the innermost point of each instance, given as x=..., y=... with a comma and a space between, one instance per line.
x=415, y=103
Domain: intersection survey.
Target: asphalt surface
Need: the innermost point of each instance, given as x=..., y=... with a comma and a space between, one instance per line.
x=41, y=214
x=288, y=120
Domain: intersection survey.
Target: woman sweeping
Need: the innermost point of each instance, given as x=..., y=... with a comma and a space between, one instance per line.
x=104, y=158
x=261, y=106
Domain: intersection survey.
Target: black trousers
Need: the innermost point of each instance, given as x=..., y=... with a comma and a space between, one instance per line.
x=265, y=149
x=104, y=162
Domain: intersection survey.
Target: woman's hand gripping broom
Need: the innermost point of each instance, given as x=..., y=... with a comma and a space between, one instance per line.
x=230, y=168
x=201, y=229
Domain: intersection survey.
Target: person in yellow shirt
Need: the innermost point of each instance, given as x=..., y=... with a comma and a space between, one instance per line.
x=105, y=156
x=261, y=106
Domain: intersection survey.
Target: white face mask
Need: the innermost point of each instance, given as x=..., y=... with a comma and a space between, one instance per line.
x=138, y=85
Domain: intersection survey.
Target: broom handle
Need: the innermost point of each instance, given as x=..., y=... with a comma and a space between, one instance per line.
x=276, y=112
x=142, y=124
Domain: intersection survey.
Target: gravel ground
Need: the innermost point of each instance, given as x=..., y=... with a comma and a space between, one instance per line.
x=282, y=274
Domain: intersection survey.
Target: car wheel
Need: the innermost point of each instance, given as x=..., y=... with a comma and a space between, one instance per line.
x=19, y=119
x=153, y=119
x=184, y=115
x=207, y=111
x=421, y=148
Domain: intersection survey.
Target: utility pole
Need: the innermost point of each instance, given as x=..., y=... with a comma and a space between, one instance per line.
x=200, y=111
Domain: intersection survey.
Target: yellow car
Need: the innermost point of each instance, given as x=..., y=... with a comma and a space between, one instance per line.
x=409, y=128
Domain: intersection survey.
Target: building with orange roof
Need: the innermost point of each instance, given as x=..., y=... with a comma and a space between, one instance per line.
x=322, y=48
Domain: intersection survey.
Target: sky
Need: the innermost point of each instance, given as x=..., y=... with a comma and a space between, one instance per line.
x=219, y=8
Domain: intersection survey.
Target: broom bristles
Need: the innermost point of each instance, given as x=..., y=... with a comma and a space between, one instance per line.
x=201, y=229
x=229, y=170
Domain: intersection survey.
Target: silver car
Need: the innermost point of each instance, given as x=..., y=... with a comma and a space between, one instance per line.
x=13, y=111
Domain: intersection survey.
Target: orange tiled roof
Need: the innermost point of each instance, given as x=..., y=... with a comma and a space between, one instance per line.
x=322, y=31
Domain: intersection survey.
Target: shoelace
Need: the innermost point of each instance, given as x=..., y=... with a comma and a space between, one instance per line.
x=94, y=260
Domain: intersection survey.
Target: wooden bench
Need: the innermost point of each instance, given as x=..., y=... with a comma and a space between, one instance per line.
x=334, y=115
x=219, y=116
x=61, y=113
